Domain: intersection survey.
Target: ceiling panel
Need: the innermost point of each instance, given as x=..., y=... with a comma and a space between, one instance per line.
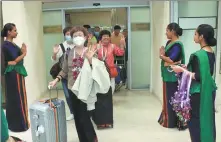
x=65, y=4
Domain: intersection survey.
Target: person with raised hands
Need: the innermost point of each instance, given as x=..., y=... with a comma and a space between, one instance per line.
x=103, y=113
x=71, y=68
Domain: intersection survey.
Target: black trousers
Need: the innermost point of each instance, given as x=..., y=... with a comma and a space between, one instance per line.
x=84, y=126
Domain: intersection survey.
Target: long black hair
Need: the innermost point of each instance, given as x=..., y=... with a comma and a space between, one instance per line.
x=6, y=28
x=176, y=28
x=207, y=32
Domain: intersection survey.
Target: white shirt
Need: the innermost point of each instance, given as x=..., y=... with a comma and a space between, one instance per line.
x=60, y=52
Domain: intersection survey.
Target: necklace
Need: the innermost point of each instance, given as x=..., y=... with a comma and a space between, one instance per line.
x=204, y=46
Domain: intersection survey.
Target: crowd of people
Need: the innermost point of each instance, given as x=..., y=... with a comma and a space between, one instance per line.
x=89, y=45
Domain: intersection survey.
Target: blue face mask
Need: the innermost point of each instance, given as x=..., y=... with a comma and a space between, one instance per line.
x=96, y=34
x=68, y=38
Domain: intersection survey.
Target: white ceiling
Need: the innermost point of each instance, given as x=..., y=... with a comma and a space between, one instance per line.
x=74, y=4
x=52, y=1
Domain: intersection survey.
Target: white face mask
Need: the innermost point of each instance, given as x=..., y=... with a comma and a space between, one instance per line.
x=78, y=41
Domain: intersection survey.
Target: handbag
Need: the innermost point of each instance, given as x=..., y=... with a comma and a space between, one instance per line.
x=56, y=68
x=113, y=72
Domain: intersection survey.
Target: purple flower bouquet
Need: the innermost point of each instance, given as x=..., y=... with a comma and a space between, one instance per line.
x=181, y=99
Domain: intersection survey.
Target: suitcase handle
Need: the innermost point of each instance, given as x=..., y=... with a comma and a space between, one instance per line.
x=50, y=98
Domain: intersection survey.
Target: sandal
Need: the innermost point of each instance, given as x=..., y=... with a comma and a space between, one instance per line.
x=105, y=126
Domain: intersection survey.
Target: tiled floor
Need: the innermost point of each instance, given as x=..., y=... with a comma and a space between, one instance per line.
x=135, y=116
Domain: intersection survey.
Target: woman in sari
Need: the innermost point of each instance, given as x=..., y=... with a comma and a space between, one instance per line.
x=103, y=113
x=201, y=65
x=173, y=53
x=15, y=73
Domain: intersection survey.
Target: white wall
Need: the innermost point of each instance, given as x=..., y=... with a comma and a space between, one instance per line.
x=28, y=19
x=160, y=19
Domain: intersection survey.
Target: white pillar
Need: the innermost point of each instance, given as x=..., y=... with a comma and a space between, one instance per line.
x=174, y=11
x=160, y=13
x=28, y=19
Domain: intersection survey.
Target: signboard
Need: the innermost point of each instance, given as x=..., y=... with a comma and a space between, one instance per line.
x=140, y=26
x=52, y=29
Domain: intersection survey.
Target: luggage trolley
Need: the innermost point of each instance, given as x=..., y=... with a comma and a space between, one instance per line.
x=120, y=80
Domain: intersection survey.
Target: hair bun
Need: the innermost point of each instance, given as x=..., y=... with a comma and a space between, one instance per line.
x=180, y=31
x=3, y=33
x=212, y=42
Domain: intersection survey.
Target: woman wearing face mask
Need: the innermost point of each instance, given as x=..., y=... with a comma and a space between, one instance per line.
x=201, y=65
x=15, y=73
x=103, y=113
x=73, y=61
x=57, y=55
x=171, y=54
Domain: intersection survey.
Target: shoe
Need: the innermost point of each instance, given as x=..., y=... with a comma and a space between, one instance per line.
x=71, y=117
x=105, y=126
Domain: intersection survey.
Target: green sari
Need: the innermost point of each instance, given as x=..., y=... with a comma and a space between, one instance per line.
x=170, y=76
x=4, y=127
x=205, y=87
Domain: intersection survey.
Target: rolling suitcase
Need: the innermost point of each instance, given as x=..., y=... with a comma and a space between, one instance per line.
x=48, y=120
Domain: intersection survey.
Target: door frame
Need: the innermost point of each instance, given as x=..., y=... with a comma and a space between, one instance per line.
x=130, y=80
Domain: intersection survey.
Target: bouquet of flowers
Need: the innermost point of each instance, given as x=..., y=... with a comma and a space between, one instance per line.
x=181, y=100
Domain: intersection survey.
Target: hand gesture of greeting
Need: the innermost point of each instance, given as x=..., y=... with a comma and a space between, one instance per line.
x=122, y=42
x=24, y=48
x=162, y=50
x=90, y=53
x=56, y=49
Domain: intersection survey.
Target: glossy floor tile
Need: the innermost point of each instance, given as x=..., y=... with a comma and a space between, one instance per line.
x=135, y=120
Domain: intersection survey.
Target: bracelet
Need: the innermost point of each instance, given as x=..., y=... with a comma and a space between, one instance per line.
x=58, y=78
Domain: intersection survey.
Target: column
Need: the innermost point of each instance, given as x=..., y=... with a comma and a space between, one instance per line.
x=160, y=19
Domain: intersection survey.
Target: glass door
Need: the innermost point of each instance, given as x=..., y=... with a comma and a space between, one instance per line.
x=139, y=52
x=52, y=25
